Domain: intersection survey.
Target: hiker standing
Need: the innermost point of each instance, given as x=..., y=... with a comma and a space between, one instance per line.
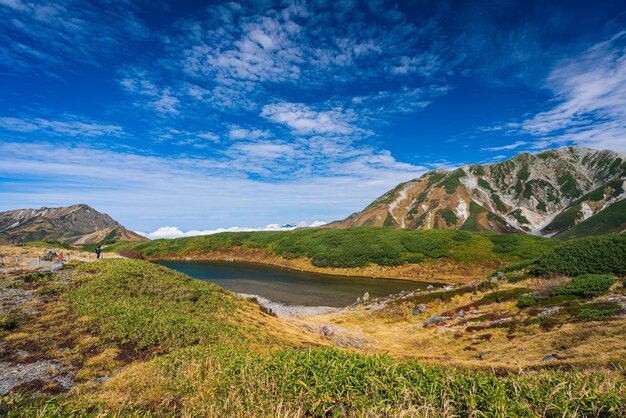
x=98, y=251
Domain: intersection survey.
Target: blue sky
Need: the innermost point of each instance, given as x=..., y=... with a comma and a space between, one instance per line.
x=201, y=115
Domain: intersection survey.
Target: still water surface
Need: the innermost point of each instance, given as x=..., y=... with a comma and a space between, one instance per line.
x=289, y=286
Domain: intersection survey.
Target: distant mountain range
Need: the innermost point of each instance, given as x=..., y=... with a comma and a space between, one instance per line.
x=566, y=192
x=76, y=225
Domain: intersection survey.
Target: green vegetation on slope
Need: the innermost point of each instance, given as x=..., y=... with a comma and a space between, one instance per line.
x=48, y=244
x=611, y=219
x=151, y=305
x=595, y=255
x=453, y=180
x=565, y=219
x=586, y=285
x=357, y=247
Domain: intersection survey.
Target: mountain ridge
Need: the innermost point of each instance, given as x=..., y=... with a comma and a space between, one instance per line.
x=543, y=194
x=76, y=224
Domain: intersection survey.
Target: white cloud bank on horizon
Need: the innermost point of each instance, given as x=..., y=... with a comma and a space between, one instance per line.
x=169, y=232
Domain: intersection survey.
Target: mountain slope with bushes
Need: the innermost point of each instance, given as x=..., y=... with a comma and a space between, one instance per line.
x=547, y=193
x=365, y=251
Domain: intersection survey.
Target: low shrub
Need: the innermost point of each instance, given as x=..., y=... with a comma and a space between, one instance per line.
x=8, y=322
x=594, y=255
x=586, y=286
x=595, y=311
x=358, y=247
x=529, y=300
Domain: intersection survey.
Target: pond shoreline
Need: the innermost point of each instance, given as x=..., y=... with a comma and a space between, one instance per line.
x=434, y=271
x=288, y=287
x=283, y=310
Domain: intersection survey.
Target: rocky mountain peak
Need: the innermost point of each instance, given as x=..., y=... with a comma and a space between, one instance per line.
x=77, y=223
x=527, y=193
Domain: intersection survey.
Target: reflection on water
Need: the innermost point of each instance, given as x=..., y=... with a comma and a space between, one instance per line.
x=289, y=286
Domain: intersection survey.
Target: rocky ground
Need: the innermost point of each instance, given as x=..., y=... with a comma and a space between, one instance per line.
x=26, y=369
x=480, y=324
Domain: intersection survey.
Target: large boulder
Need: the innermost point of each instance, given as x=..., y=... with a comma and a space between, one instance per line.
x=435, y=319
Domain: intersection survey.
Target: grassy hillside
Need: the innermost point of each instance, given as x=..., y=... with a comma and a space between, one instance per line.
x=358, y=247
x=610, y=220
x=143, y=340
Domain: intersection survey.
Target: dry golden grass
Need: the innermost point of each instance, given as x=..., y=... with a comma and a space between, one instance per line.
x=396, y=331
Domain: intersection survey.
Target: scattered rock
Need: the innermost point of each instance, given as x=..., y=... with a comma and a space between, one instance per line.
x=460, y=314
x=359, y=300
x=483, y=354
x=550, y=310
x=419, y=308
x=346, y=342
x=101, y=379
x=619, y=299
x=550, y=357
x=12, y=376
x=521, y=349
x=327, y=331
x=430, y=286
x=56, y=266
x=366, y=297
x=500, y=321
x=435, y=319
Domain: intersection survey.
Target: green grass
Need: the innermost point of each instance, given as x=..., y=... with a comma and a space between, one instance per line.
x=357, y=247
x=541, y=206
x=484, y=184
x=149, y=305
x=48, y=244
x=613, y=188
x=328, y=382
x=471, y=223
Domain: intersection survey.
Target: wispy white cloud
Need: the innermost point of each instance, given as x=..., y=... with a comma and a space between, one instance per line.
x=48, y=35
x=72, y=126
x=253, y=134
x=590, y=96
x=152, y=191
x=508, y=147
x=158, y=98
x=303, y=120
